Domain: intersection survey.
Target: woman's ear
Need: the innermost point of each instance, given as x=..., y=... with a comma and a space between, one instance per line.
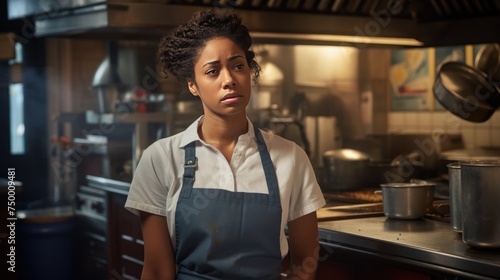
x=192, y=88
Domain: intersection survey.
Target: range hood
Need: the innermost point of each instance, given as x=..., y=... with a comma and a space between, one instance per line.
x=325, y=22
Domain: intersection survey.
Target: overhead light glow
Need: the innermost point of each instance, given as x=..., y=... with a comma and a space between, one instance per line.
x=358, y=40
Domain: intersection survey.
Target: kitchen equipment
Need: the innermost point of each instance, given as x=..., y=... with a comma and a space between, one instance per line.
x=458, y=155
x=45, y=242
x=488, y=61
x=480, y=197
x=455, y=196
x=344, y=169
x=407, y=200
x=106, y=81
x=466, y=92
x=91, y=232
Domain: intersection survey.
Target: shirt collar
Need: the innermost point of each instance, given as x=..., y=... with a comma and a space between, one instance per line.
x=191, y=133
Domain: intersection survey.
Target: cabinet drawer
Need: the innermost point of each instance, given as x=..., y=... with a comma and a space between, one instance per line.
x=132, y=267
x=132, y=247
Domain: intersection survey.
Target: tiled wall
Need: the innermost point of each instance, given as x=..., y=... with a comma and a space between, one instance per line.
x=475, y=135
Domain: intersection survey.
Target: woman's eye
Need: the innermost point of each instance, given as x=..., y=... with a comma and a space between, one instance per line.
x=239, y=66
x=212, y=72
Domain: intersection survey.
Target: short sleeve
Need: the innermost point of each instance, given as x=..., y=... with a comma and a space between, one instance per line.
x=148, y=191
x=306, y=196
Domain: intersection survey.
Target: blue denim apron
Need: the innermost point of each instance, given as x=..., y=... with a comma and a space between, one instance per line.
x=221, y=234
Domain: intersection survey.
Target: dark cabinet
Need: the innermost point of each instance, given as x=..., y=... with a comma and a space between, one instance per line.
x=126, y=246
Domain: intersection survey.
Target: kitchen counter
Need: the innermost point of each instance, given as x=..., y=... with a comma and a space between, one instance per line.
x=108, y=185
x=424, y=245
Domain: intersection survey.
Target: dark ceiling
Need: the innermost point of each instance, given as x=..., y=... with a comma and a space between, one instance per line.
x=417, y=10
x=431, y=22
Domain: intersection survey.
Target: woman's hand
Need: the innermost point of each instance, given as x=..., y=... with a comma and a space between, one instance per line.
x=304, y=247
x=159, y=258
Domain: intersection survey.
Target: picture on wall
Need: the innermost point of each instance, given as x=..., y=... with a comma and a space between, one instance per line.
x=447, y=54
x=409, y=80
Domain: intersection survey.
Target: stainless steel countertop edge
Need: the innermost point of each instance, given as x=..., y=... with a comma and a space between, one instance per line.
x=453, y=256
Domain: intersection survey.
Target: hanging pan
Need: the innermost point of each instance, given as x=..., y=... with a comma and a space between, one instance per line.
x=466, y=92
x=488, y=61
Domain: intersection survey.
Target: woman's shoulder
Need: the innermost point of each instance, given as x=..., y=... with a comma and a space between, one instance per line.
x=278, y=143
x=165, y=145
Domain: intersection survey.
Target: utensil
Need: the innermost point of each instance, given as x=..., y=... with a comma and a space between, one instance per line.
x=344, y=169
x=480, y=197
x=406, y=200
x=466, y=92
x=455, y=196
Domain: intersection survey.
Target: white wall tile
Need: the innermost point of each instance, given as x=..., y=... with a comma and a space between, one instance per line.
x=483, y=137
x=425, y=118
x=484, y=125
x=411, y=119
x=495, y=119
x=495, y=137
x=469, y=137
x=396, y=119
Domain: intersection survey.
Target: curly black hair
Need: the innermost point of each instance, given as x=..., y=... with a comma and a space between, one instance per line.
x=179, y=50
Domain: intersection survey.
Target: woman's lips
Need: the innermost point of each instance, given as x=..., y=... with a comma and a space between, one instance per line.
x=231, y=98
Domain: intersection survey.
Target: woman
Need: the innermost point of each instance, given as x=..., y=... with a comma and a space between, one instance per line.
x=214, y=200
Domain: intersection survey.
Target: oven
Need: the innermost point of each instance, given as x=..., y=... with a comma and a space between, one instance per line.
x=91, y=251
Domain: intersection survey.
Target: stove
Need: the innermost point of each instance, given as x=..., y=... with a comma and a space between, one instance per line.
x=91, y=218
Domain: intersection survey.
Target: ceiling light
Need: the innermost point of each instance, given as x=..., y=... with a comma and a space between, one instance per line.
x=347, y=39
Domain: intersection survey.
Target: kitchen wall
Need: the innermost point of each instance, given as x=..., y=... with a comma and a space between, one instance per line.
x=354, y=76
x=475, y=135
x=359, y=78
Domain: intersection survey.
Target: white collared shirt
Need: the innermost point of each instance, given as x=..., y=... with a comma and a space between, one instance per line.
x=157, y=180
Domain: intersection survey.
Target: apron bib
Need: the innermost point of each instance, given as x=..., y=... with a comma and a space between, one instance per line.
x=228, y=235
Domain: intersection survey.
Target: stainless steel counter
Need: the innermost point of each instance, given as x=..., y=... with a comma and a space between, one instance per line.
x=428, y=244
x=108, y=185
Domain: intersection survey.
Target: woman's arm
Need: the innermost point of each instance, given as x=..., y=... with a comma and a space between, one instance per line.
x=159, y=258
x=304, y=247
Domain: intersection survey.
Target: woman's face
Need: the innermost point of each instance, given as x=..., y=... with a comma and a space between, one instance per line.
x=222, y=78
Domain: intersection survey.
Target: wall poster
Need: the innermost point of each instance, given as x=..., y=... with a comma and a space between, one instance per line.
x=409, y=80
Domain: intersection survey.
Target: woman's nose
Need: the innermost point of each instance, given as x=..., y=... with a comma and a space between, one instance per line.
x=228, y=81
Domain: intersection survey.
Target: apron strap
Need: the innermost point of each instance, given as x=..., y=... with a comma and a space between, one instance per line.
x=267, y=164
x=190, y=165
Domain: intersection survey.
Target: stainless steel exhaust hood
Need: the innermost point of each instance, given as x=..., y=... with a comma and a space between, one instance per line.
x=326, y=22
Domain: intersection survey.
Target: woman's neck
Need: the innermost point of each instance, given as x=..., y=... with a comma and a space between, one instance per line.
x=223, y=129
x=223, y=132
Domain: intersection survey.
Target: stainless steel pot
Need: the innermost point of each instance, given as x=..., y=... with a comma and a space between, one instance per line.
x=466, y=92
x=407, y=200
x=345, y=169
x=480, y=196
x=455, y=196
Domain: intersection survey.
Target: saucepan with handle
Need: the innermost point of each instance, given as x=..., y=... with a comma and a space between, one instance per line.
x=407, y=200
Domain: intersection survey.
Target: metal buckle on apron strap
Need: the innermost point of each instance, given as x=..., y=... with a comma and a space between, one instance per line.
x=190, y=168
x=191, y=164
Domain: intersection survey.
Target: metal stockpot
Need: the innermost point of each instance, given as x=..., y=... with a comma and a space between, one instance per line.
x=345, y=169
x=455, y=196
x=407, y=200
x=480, y=182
